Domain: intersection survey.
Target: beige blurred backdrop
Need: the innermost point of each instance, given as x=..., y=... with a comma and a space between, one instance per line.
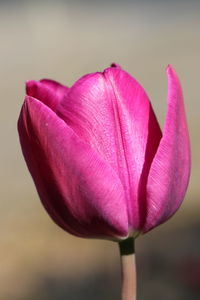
x=64, y=40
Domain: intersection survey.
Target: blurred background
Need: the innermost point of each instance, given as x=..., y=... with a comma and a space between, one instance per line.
x=64, y=40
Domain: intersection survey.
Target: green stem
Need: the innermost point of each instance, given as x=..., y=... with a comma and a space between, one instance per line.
x=128, y=269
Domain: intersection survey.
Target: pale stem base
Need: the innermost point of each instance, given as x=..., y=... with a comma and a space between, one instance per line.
x=128, y=270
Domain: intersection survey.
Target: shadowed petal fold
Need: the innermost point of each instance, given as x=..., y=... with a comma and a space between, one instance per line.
x=80, y=191
x=170, y=170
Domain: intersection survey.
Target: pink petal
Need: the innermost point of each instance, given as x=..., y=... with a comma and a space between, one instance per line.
x=80, y=191
x=48, y=91
x=112, y=113
x=170, y=170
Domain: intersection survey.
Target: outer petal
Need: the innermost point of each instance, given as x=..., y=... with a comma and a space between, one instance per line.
x=111, y=111
x=79, y=190
x=169, y=173
x=48, y=91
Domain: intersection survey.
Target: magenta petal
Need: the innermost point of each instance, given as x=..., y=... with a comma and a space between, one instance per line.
x=48, y=91
x=59, y=89
x=170, y=170
x=80, y=191
x=140, y=134
x=112, y=113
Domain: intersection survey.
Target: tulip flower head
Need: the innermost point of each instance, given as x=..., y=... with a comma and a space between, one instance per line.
x=100, y=162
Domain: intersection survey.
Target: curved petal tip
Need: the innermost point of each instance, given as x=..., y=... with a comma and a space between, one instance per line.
x=169, y=174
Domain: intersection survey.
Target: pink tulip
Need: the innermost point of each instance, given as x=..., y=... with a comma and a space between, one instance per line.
x=100, y=163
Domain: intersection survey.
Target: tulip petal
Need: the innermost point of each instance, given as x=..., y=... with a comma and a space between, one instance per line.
x=112, y=113
x=170, y=170
x=48, y=91
x=80, y=191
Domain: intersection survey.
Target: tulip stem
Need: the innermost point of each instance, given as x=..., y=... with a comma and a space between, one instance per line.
x=128, y=269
